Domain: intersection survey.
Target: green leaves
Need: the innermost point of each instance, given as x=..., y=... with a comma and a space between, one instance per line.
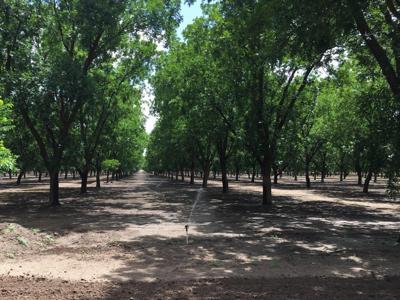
x=110, y=165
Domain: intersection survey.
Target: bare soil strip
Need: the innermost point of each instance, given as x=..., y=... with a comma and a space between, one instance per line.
x=128, y=240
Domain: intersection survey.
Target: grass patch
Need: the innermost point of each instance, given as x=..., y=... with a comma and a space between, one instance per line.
x=9, y=228
x=22, y=241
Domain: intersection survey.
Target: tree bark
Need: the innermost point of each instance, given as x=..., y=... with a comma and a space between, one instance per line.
x=225, y=182
x=98, y=182
x=84, y=178
x=275, y=176
x=307, y=170
x=206, y=173
x=192, y=173
x=359, y=175
x=266, y=179
x=323, y=168
x=367, y=181
x=54, y=199
x=21, y=173
x=253, y=175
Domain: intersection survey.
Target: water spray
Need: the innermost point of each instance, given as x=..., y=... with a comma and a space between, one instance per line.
x=198, y=197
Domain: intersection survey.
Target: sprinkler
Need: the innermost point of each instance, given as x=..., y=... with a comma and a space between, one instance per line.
x=187, y=233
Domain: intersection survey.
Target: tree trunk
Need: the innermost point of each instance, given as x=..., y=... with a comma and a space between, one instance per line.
x=323, y=167
x=206, y=174
x=253, y=175
x=54, y=189
x=21, y=173
x=98, y=184
x=182, y=175
x=108, y=176
x=367, y=181
x=359, y=175
x=266, y=179
x=307, y=169
x=237, y=174
x=225, y=183
x=66, y=174
x=84, y=178
x=275, y=176
x=40, y=176
x=192, y=174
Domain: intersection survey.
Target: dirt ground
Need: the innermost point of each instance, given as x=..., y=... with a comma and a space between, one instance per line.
x=128, y=241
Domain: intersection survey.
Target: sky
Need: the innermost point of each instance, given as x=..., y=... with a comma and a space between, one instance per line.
x=189, y=13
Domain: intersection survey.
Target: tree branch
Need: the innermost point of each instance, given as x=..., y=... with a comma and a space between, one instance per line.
x=377, y=50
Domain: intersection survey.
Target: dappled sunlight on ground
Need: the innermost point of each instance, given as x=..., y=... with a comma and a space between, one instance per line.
x=134, y=229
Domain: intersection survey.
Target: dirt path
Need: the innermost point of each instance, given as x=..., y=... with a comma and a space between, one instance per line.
x=133, y=231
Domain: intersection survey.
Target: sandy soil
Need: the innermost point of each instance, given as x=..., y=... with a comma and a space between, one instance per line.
x=128, y=241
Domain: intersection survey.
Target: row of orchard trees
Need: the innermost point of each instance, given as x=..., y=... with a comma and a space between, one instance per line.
x=70, y=73
x=282, y=86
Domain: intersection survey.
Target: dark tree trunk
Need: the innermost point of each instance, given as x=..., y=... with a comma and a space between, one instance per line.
x=222, y=162
x=225, y=182
x=21, y=173
x=10, y=174
x=323, y=167
x=66, y=174
x=237, y=174
x=266, y=179
x=253, y=175
x=54, y=199
x=359, y=175
x=307, y=170
x=98, y=183
x=192, y=174
x=206, y=173
x=40, y=176
x=275, y=176
x=367, y=181
x=182, y=175
x=108, y=176
x=84, y=178
x=98, y=172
